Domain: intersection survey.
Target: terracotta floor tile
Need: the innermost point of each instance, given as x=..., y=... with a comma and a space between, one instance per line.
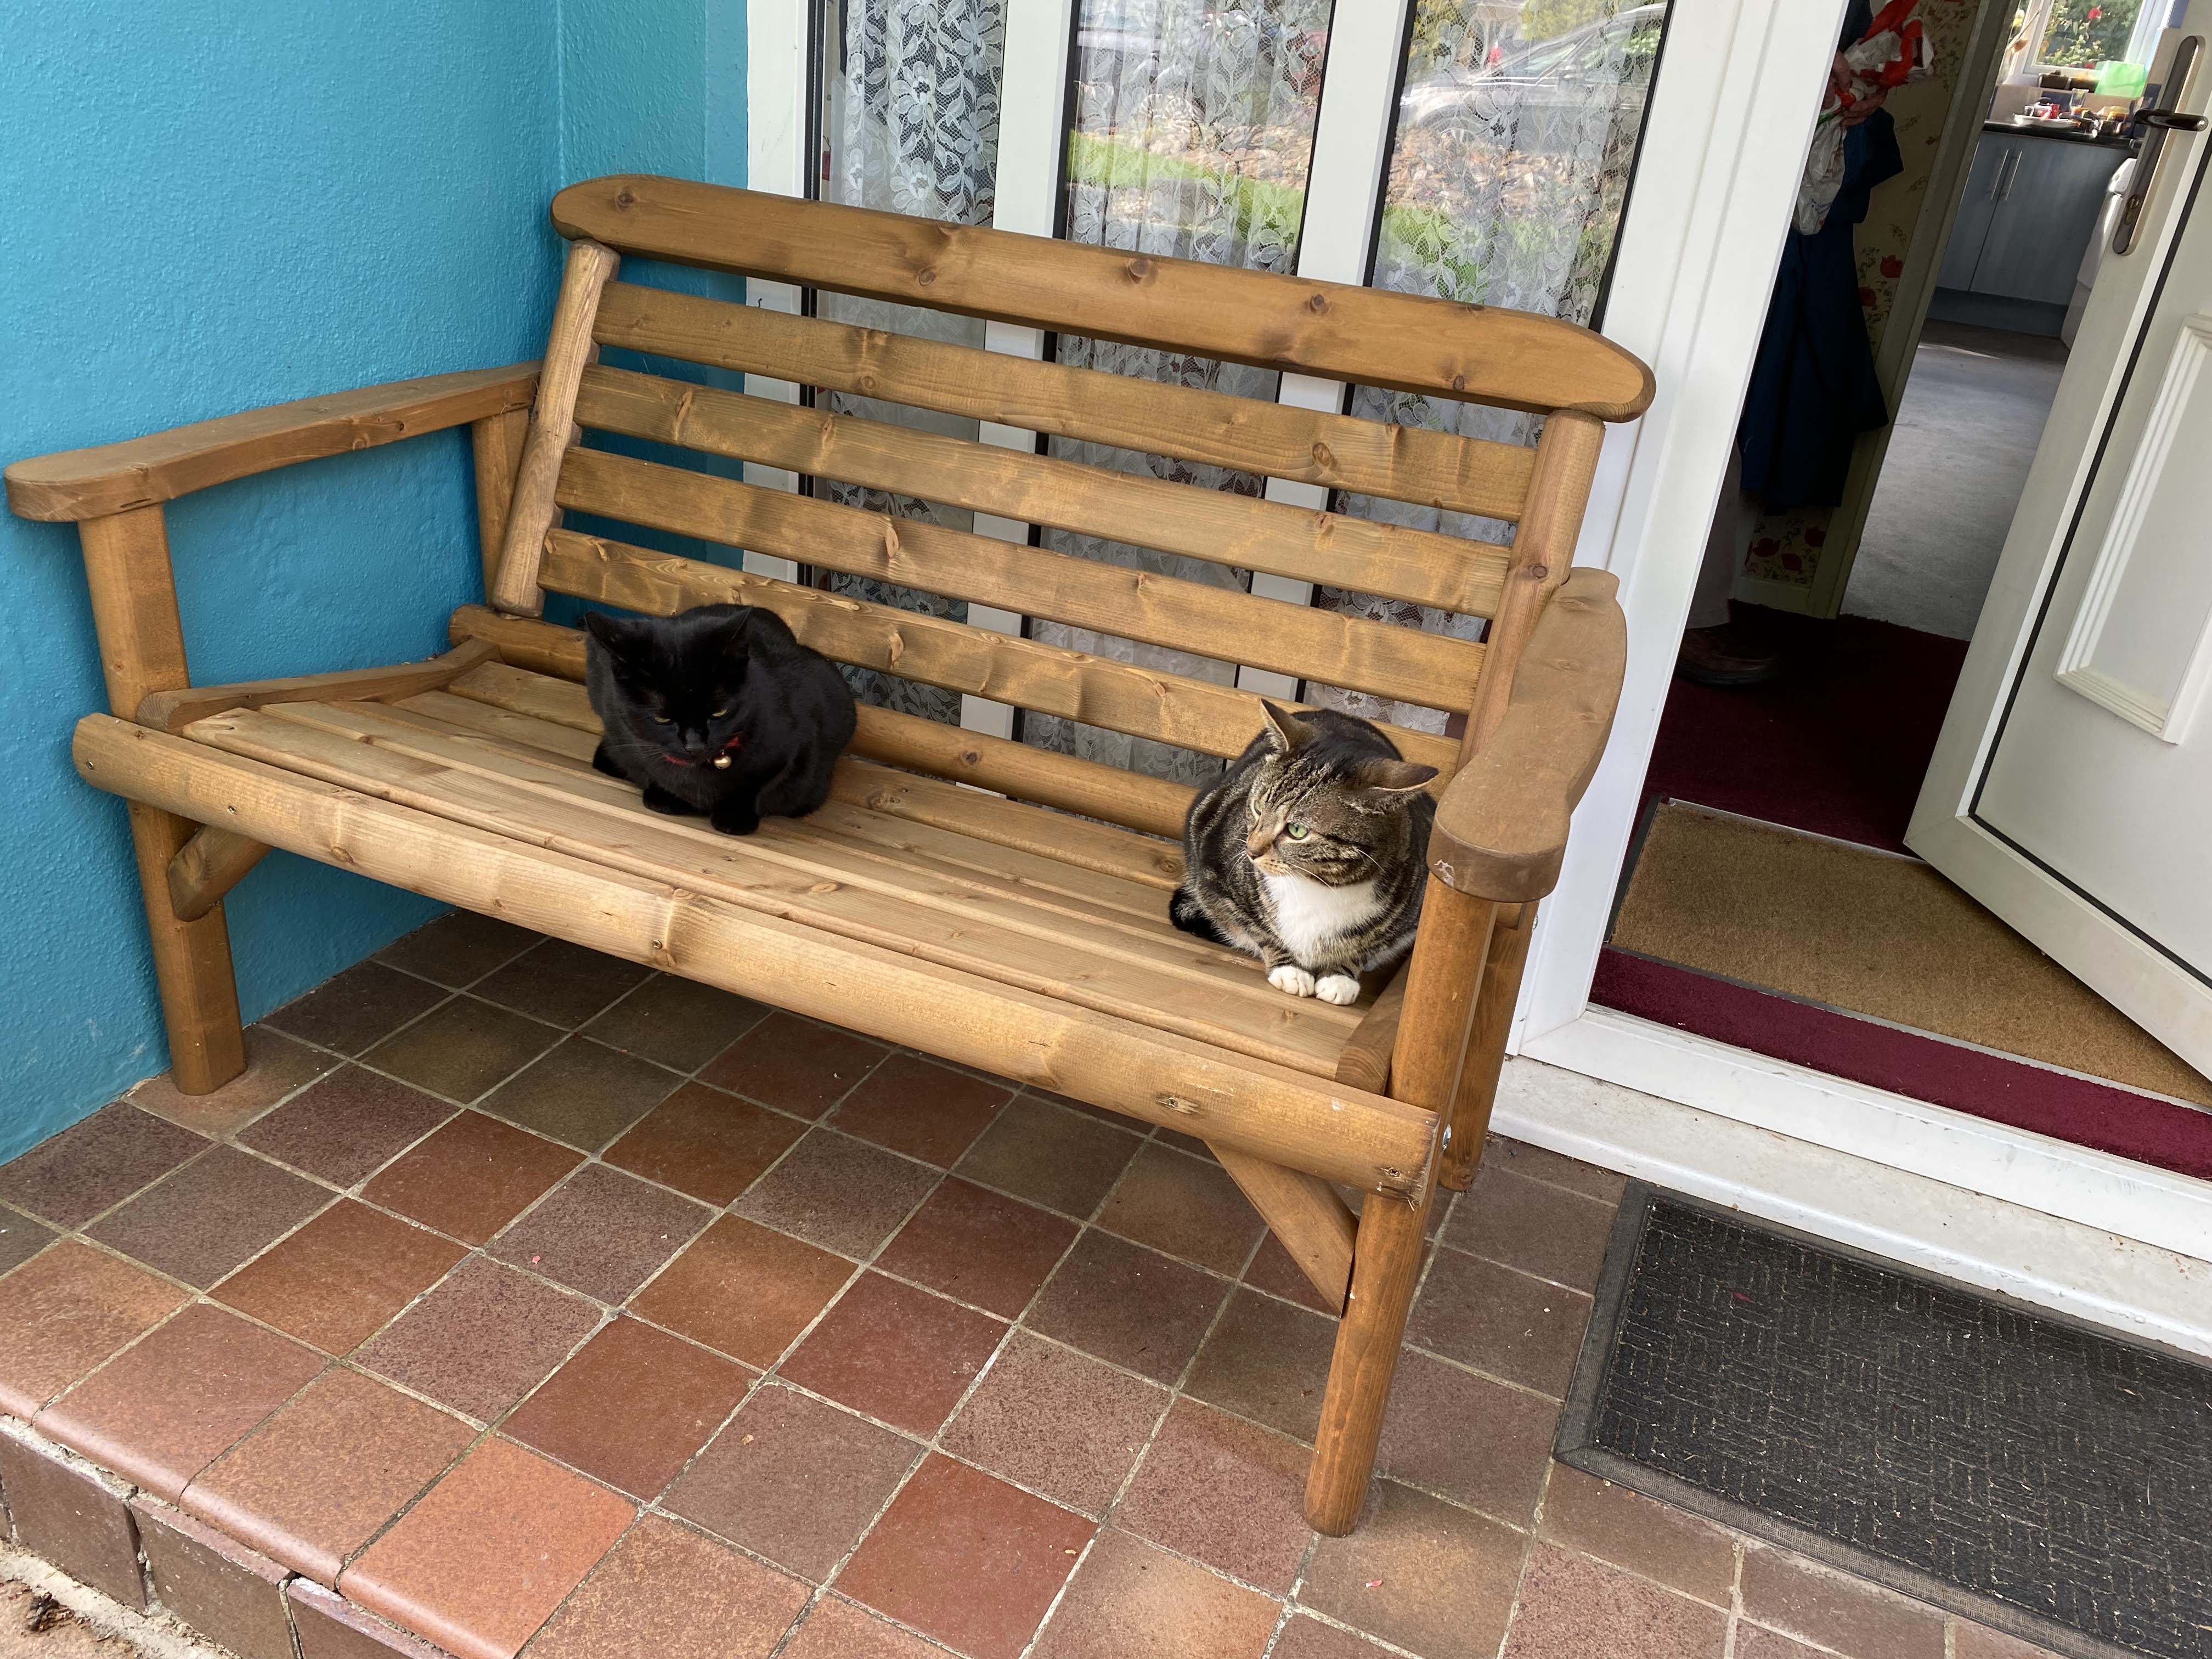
x=1658, y=1540
x=1058, y=1421
x=76, y=1518
x=706, y=1143
x=357, y=1009
x=459, y=948
x=839, y=1193
x=967, y=1559
x=275, y=1067
x=677, y=1023
x=224, y=1592
x=1754, y=1643
x=471, y=1177
x=1064, y=1160
x=794, y=1481
x=1791, y=1594
x=462, y=1049
x=1306, y=1637
x=1420, y=1573
x=63, y=1312
x=560, y=983
x=95, y=1163
x=1540, y=1165
x=482, y=1339
x=1571, y=1608
x=793, y=1065
x=1224, y=1491
x=488, y=1553
x=1480, y=1443
x=348, y=1126
x=200, y=1221
x=338, y=1279
x=1128, y=1304
x=897, y=1353
x=1524, y=1223
x=663, y=1592
x=1267, y=1361
x=1186, y=1207
x=744, y=1290
x=582, y=1094
x=631, y=1407
x=602, y=1232
x=838, y=1630
x=980, y=1246
x=1273, y=1270
x=330, y=1627
x=22, y=1237
x=917, y=1107
x=1129, y=1601
x=1501, y=1321
x=161, y=1412
x=318, y=1479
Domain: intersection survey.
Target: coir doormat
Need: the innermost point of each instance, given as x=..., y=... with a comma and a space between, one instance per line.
x=2009, y=1464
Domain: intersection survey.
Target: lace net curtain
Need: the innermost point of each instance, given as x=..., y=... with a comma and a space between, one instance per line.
x=909, y=116
x=1191, y=133
x=1510, y=166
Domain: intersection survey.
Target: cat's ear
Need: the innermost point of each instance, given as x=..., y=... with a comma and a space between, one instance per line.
x=1391, y=777
x=740, y=627
x=618, y=635
x=1291, y=733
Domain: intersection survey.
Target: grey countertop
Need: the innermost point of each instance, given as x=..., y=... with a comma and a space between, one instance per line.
x=2063, y=137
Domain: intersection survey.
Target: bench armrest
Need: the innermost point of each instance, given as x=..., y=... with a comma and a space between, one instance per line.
x=1501, y=828
x=91, y=483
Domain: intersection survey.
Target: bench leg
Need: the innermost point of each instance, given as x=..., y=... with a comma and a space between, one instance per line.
x=191, y=963
x=142, y=651
x=1477, y=1090
x=1441, y=983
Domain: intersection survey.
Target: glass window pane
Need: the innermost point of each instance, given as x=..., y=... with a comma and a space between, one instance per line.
x=907, y=110
x=1191, y=136
x=1515, y=136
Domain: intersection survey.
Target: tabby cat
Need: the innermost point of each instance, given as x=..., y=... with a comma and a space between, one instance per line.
x=717, y=710
x=1309, y=852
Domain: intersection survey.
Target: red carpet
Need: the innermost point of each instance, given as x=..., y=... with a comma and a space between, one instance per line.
x=1838, y=745
x=2070, y=1108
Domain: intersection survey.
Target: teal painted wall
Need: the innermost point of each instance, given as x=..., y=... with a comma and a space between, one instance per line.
x=216, y=207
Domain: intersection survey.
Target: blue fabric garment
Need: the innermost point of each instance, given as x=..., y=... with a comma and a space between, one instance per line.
x=1813, y=387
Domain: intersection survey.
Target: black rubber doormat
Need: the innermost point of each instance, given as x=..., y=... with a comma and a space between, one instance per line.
x=2010, y=1465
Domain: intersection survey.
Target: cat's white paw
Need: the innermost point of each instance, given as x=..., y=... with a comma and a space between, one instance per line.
x=1337, y=988
x=1291, y=978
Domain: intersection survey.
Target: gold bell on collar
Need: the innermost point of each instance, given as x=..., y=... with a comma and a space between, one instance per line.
x=722, y=763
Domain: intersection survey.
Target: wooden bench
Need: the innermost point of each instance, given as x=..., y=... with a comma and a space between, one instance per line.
x=1018, y=926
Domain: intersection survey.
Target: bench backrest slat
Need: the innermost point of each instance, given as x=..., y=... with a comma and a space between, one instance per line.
x=1192, y=714
x=1277, y=440
x=1402, y=342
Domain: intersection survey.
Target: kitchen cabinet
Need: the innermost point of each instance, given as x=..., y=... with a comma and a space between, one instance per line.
x=2030, y=207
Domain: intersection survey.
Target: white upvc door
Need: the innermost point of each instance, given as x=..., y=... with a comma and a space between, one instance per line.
x=2071, y=791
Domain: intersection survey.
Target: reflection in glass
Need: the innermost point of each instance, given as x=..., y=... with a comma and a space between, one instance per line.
x=909, y=112
x=1192, y=127
x=1516, y=133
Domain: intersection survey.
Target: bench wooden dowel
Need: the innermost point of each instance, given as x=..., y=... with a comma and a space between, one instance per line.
x=208, y=866
x=1476, y=1091
x=142, y=650
x=552, y=428
x=1305, y=1213
x=172, y=711
x=496, y=443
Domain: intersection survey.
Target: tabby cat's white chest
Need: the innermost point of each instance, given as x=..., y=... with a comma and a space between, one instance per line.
x=1308, y=916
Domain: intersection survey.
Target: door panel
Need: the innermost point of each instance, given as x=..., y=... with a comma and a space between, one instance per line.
x=2072, y=787
x=1978, y=205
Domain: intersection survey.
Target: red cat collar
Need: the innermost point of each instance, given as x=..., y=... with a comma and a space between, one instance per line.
x=720, y=760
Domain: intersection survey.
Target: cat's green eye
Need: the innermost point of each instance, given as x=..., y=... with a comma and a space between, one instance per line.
x=1295, y=831
x=719, y=713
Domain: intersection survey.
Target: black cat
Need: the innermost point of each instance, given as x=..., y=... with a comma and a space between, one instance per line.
x=717, y=710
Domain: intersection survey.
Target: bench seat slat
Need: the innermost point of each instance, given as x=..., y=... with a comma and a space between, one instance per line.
x=1363, y=554
x=1192, y=714
x=1277, y=440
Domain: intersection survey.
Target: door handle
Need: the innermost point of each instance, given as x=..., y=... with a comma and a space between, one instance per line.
x=2011, y=177
x=2160, y=122
x=1996, y=178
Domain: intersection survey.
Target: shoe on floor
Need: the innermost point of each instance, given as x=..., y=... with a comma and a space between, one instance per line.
x=1726, y=655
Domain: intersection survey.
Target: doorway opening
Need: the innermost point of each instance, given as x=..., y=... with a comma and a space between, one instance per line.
x=1770, y=900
